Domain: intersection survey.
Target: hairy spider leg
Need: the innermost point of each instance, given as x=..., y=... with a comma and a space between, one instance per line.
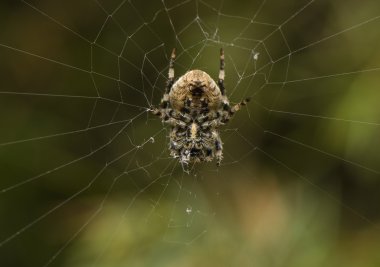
x=238, y=106
x=169, y=85
x=173, y=118
x=221, y=73
x=229, y=111
x=218, y=151
x=171, y=72
x=215, y=118
x=165, y=99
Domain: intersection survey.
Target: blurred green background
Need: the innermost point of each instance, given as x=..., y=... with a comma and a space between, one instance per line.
x=85, y=173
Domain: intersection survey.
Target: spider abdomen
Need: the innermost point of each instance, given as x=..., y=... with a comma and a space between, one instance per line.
x=195, y=90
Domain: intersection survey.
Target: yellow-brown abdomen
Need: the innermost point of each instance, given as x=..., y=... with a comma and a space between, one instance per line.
x=195, y=85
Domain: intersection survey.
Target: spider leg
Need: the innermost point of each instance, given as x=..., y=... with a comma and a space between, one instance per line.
x=169, y=85
x=176, y=145
x=238, y=106
x=210, y=120
x=177, y=118
x=218, y=151
x=221, y=73
x=156, y=111
x=208, y=154
x=172, y=117
x=229, y=111
x=165, y=99
x=171, y=72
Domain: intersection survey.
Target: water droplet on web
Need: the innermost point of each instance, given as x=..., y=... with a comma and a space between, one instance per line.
x=256, y=55
x=189, y=210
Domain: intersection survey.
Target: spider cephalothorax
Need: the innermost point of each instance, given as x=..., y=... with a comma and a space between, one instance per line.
x=195, y=106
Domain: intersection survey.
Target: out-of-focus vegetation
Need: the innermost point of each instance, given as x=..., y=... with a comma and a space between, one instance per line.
x=85, y=175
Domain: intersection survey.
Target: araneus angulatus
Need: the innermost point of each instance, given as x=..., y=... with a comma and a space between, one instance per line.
x=195, y=107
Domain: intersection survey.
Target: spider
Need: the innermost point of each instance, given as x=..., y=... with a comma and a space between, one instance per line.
x=195, y=106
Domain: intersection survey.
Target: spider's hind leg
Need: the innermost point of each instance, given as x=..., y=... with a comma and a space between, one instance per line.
x=218, y=151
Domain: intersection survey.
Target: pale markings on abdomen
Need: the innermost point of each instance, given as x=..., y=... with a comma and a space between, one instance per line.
x=193, y=131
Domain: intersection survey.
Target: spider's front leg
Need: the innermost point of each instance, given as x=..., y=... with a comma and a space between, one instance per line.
x=161, y=111
x=171, y=72
x=221, y=73
x=228, y=111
